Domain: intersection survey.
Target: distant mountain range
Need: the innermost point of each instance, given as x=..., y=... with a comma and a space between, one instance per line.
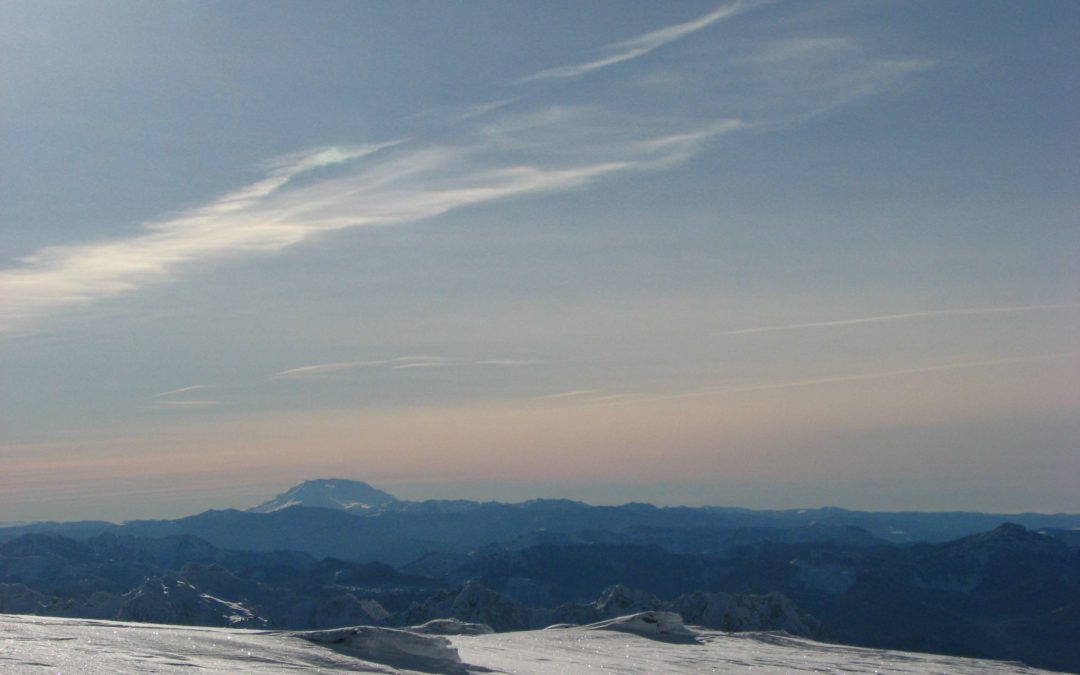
x=353, y=521
x=336, y=552
x=185, y=581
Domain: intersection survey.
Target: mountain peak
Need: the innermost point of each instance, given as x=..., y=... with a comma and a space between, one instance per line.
x=1007, y=537
x=328, y=493
x=1010, y=530
x=1010, y=533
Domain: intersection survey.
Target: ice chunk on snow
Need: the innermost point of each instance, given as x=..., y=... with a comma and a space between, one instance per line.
x=664, y=625
x=391, y=646
x=452, y=627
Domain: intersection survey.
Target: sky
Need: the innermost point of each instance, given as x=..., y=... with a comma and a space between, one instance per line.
x=745, y=253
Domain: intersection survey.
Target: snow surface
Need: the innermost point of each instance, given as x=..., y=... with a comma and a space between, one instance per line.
x=31, y=644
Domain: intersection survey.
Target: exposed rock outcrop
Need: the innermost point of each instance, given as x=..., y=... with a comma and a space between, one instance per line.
x=392, y=647
x=722, y=611
x=473, y=603
x=658, y=625
x=736, y=613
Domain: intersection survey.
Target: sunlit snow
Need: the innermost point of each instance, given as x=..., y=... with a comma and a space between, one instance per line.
x=649, y=643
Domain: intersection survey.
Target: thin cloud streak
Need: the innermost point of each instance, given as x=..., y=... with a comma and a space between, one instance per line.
x=327, y=368
x=929, y=314
x=453, y=115
x=615, y=398
x=424, y=364
x=399, y=363
x=181, y=390
x=963, y=365
x=591, y=396
x=184, y=405
x=576, y=393
x=878, y=375
x=340, y=366
x=643, y=44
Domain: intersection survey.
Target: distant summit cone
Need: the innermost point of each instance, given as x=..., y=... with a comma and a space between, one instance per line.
x=328, y=493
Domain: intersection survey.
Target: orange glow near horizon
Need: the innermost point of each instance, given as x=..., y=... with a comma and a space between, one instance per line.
x=775, y=436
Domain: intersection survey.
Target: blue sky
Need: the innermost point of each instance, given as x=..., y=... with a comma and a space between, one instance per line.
x=769, y=254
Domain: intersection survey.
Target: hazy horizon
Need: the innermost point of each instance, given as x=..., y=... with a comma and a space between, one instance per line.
x=167, y=504
x=742, y=253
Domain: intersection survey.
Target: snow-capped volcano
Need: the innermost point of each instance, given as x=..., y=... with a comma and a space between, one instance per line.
x=328, y=493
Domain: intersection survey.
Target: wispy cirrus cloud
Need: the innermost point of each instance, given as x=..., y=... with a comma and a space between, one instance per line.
x=348, y=187
x=499, y=150
x=643, y=44
x=58, y=277
x=908, y=316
